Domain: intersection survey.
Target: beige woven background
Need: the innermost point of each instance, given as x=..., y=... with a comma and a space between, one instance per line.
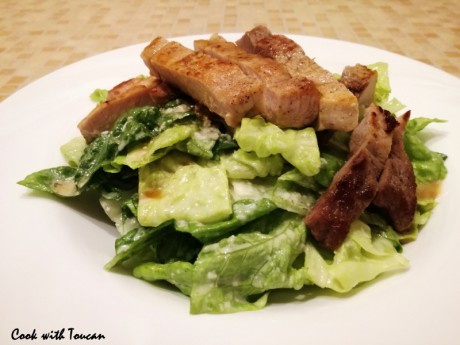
x=39, y=36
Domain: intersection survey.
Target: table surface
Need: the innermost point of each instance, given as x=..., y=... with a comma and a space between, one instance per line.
x=40, y=36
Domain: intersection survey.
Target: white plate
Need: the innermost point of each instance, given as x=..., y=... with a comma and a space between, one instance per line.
x=53, y=251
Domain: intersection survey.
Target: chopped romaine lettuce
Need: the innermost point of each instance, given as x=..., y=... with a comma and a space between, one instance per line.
x=243, y=212
x=428, y=165
x=178, y=273
x=73, y=150
x=360, y=258
x=247, y=165
x=121, y=207
x=383, y=89
x=59, y=181
x=99, y=95
x=175, y=187
x=298, y=147
x=295, y=192
x=156, y=148
x=227, y=274
x=159, y=244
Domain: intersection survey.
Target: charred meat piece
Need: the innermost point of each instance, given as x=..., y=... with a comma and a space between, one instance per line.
x=356, y=183
x=360, y=80
x=397, y=187
x=129, y=94
x=220, y=85
x=284, y=101
x=338, y=107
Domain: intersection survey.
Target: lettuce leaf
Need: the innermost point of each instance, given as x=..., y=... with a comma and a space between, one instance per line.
x=295, y=192
x=383, y=89
x=247, y=165
x=244, y=211
x=176, y=187
x=59, y=181
x=429, y=166
x=161, y=244
x=73, y=150
x=298, y=147
x=156, y=148
x=233, y=274
x=121, y=207
x=99, y=95
x=361, y=258
x=178, y=273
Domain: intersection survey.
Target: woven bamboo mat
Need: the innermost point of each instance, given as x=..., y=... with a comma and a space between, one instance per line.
x=39, y=36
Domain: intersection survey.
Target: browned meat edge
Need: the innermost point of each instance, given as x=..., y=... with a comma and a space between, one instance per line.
x=356, y=183
x=397, y=186
x=284, y=101
x=338, y=107
x=129, y=94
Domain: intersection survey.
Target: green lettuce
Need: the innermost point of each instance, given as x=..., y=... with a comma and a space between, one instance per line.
x=177, y=273
x=235, y=273
x=429, y=166
x=59, y=181
x=176, y=187
x=243, y=212
x=295, y=192
x=361, y=258
x=156, y=148
x=298, y=147
x=247, y=165
x=99, y=95
x=383, y=89
x=73, y=150
x=161, y=244
x=121, y=207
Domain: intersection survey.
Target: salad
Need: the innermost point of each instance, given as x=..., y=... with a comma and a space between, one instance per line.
x=219, y=213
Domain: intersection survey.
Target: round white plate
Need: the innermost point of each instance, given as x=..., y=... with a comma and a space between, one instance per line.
x=53, y=250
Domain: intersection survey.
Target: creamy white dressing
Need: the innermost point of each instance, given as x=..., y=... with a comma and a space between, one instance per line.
x=65, y=188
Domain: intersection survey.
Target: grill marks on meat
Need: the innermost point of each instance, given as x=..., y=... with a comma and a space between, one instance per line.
x=356, y=184
x=338, y=108
x=219, y=85
x=270, y=75
x=129, y=94
x=397, y=187
x=284, y=101
x=233, y=83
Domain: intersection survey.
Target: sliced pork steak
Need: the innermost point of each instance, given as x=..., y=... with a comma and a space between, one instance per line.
x=285, y=101
x=338, y=107
x=220, y=85
x=397, y=186
x=355, y=185
x=132, y=93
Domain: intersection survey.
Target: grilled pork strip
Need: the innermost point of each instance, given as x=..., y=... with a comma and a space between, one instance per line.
x=338, y=107
x=360, y=80
x=355, y=185
x=285, y=101
x=220, y=85
x=135, y=92
x=397, y=187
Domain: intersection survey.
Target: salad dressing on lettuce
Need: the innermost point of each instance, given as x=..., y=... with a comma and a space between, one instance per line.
x=219, y=214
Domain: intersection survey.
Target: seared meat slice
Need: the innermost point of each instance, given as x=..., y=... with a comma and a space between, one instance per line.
x=220, y=85
x=129, y=94
x=285, y=101
x=360, y=80
x=338, y=107
x=397, y=187
x=356, y=183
